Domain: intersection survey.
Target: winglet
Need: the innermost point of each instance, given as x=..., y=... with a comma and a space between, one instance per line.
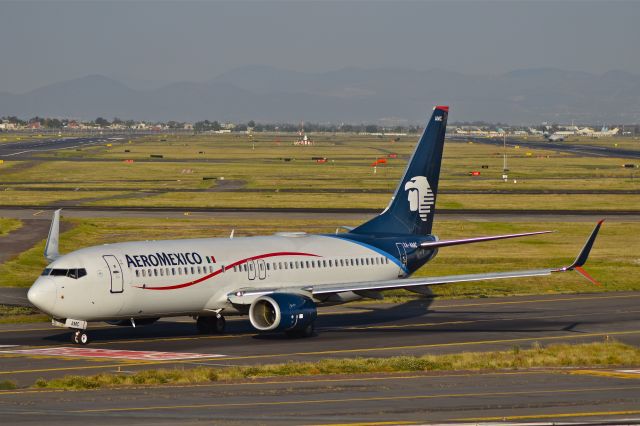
x=51, y=252
x=584, y=253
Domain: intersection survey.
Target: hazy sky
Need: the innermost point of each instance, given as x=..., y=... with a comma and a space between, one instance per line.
x=149, y=42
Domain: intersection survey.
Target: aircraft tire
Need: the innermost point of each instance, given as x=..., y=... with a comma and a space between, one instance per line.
x=210, y=325
x=220, y=325
x=83, y=338
x=79, y=337
x=308, y=331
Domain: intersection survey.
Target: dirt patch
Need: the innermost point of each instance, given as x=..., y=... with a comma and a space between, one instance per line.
x=31, y=233
x=227, y=185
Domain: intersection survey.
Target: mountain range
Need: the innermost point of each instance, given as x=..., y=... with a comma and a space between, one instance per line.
x=350, y=95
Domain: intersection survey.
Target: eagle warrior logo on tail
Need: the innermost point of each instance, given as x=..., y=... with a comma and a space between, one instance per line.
x=420, y=195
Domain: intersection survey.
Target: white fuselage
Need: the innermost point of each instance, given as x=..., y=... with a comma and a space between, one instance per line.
x=191, y=277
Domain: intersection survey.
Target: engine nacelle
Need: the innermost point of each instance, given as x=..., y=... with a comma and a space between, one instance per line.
x=282, y=312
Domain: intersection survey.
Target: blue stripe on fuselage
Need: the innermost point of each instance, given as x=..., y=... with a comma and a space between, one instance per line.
x=370, y=247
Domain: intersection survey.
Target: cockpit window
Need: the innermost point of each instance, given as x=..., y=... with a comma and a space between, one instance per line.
x=75, y=273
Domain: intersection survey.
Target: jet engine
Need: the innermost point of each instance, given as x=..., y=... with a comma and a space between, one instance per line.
x=292, y=313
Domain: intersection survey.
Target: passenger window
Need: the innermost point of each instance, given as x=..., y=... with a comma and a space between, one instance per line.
x=193, y=270
x=137, y=273
x=144, y=274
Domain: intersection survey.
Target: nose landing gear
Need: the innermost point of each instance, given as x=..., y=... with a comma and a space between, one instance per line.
x=80, y=337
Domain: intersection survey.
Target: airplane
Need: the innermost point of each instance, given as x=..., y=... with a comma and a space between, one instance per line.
x=555, y=138
x=279, y=281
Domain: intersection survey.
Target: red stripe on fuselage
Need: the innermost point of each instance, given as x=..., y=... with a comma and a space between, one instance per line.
x=219, y=271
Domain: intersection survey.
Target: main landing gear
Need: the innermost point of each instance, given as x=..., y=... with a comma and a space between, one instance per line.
x=211, y=325
x=80, y=337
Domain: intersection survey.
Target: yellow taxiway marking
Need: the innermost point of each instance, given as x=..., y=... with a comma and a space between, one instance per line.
x=550, y=416
x=362, y=399
x=518, y=302
x=100, y=327
x=331, y=352
x=440, y=345
x=365, y=424
x=435, y=324
x=300, y=379
x=607, y=373
x=354, y=311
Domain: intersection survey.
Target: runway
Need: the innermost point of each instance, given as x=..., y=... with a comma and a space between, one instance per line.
x=358, y=330
x=572, y=148
x=27, y=148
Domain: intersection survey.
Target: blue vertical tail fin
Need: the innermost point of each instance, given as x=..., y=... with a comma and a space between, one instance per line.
x=412, y=206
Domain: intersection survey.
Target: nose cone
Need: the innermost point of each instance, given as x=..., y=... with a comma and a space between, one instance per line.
x=42, y=294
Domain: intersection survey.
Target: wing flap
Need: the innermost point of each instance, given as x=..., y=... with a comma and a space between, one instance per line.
x=425, y=281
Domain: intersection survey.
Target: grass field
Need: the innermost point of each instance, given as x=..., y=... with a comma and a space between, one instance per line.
x=19, y=314
x=606, y=354
x=196, y=162
x=9, y=225
x=614, y=260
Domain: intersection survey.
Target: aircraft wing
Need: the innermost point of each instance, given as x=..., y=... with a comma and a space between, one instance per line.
x=245, y=296
x=425, y=281
x=428, y=281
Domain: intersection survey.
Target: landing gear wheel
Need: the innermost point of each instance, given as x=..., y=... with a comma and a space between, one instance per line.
x=80, y=337
x=308, y=331
x=220, y=325
x=211, y=325
x=83, y=338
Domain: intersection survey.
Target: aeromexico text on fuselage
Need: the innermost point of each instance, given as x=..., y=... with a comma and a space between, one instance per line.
x=167, y=259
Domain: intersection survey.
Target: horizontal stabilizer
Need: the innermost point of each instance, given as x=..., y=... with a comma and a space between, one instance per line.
x=446, y=243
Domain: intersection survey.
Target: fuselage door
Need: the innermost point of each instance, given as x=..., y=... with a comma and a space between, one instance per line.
x=251, y=269
x=117, y=280
x=262, y=269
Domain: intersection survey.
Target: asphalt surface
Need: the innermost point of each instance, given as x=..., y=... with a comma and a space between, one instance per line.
x=45, y=213
x=362, y=330
x=28, y=148
x=503, y=397
x=573, y=148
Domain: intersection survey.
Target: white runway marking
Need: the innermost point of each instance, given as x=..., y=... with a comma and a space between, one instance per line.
x=112, y=353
